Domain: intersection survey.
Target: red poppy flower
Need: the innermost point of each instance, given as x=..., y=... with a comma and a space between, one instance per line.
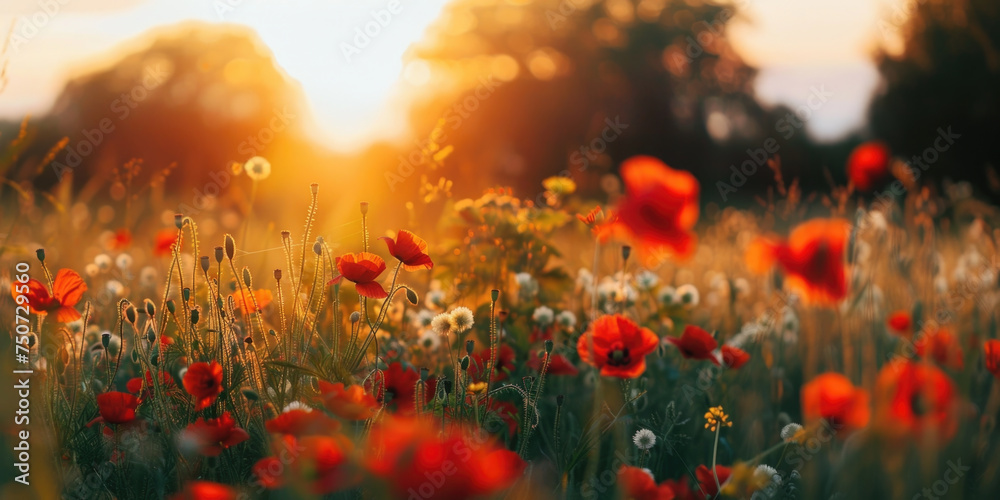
x=660, y=206
x=268, y=472
x=398, y=387
x=406, y=452
x=115, y=408
x=121, y=240
x=363, y=269
x=135, y=385
x=205, y=490
x=322, y=464
x=812, y=259
x=67, y=289
x=410, y=249
x=637, y=484
x=300, y=422
x=204, y=382
x=916, y=399
x=734, y=357
x=900, y=323
x=707, y=480
x=942, y=346
x=695, y=343
x=833, y=397
x=262, y=298
x=163, y=243
x=868, y=165
x=617, y=346
x=212, y=436
x=559, y=365
x=352, y=403
x=505, y=364
x=991, y=351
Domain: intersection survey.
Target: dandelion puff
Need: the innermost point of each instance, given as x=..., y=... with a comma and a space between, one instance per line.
x=103, y=262
x=423, y=318
x=543, y=316
x=442, y=324
x=296, y=405
x=429, y=340
x=688, y=296
x=462, y=319
x=667, y=296
x=644, y=439
x=257, y=168
x=124, y=261
x=647, y=280
x=789, y=431
x=766, y=476
x=567, y=319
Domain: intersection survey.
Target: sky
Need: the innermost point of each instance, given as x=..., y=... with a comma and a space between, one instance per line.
x=358, y=96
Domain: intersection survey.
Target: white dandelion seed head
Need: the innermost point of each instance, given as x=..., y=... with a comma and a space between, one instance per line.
x=148, y=276
x=742, y=287
x=115, y=288
x=442, y=324
x=766, y=474
x=435, y=299
x=423, y=318
x=462, y=319
x=688, y=296
x=644, y=439
x=123, y=261
x=296, y=405
x=543, y=315
x=647, y=280
x=584, y=279
x=523, y=279
x=789, y=431
x=667, y=296
x=429, y=340
x=567, y=319
x=257, y=168
x=103, y=262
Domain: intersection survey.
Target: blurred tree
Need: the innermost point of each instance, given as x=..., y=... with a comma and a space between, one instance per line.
x=575, y=86
x=947, y=76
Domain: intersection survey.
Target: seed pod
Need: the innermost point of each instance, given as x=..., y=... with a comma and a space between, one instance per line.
x=355, y=317
x=364, y=208
x=195, y=316
x=314, y=188
x=277, y=274
x=40, y=253
x=495, y=294
x=150, y=335
x=171, y=307
x=559, y=400
x=230, y=247
x=248, y=340
x=465, y=362
x=246, y=277
x=318, y=248
x=204, y=263
x=626, y=252
x=272, y=333
x=548, y=346
x=469, y=346
x=106, y=339
x=218, y=255
x=130, y=314
x=285, y=235
x=179, y=220
x=423, y=374
x=411, y=296
x=186, y=294
x=150, y=308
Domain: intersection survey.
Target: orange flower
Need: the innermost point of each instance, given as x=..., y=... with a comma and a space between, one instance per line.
x=660, y=206
x=942, y=346
x=868, y=165
x=363, y=269
x=900, y=323
x=204, y=382
x=991, y=351
x=212, y=436
x=163, y=243
x=300, y=422
x=617, y=346
x=205, y=490
x=322, y=464
x=637, y=484
x=734, y=357
x=833, y=397
x=262, y=297
x=121, y=240
x=707, y=479
x=407, y=452
x=812, y=258
x=916, y=400
x=695, y=343
x=410, y=249
x=268, y=472
x=352, y=403
x=67, y=290
x=115, y=408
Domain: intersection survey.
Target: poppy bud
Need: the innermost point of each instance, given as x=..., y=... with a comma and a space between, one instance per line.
x=248, y=340
x=250, y=394
x=559, y=400
x=218, y=255
x=106, y=339
x=469, y=345
x=285, y=235
x=318, y=248
x=355, y=317
x=447, y=386
x=195, y=316
x=314, y=188
x=411, y=296
x=423, y=374
x=495, y=294
x=277, y=274
x=230, y=246
x=171, y=307
x=150, y=308
x=364, y=208
x=204, y=263
x=272, y=333
x=155, y=359
x=179, y=220
x=626, y=252
x=465, y=362
x=246, y=276
x=130, y=314
x=150, y=335
x=186, y=294
x=40, y=253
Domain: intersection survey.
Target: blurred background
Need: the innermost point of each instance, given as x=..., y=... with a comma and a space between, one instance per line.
x=396, y=98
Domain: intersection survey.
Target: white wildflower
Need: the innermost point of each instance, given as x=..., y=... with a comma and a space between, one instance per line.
x=647, y=280
x=644, y=439
x=543, y=316
x=688, y=296
x=567, y=319
x=462, y=319
x=443, y=324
